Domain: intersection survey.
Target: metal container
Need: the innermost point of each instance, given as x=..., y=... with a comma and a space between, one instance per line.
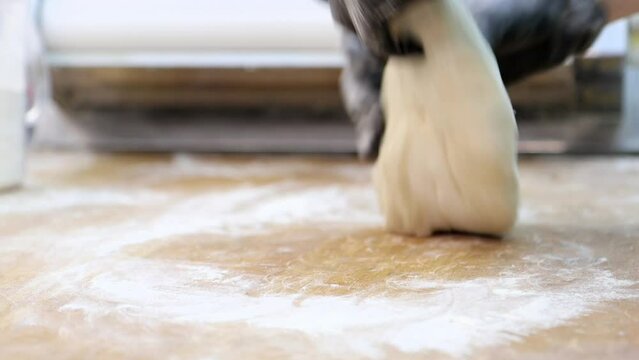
x=13, y=90
x=629, y=131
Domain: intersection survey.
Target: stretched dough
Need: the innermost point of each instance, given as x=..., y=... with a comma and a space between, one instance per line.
x=448, y=161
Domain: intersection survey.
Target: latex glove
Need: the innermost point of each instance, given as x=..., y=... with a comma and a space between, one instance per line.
x=527, y=36
x=369, y=20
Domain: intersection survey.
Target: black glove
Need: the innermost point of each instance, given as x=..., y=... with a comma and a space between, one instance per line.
x=369, y=20
x=360, y=84
x=527, y=36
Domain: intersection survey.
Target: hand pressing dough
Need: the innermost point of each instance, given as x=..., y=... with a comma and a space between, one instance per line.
x=448, y=161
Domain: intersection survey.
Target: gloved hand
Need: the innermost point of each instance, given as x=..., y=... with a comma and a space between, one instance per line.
x=369, y=20
x=361, y=82
x=533, y=35
x=527, y=36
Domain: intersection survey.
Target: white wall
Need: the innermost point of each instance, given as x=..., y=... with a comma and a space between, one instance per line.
x=613, y=40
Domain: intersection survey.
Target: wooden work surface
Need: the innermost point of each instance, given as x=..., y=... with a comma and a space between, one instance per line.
x=155, y=257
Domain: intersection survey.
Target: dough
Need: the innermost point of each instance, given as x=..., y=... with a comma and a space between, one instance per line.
x=448, y=161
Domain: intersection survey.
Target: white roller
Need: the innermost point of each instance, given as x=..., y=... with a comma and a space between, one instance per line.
x=189, y=25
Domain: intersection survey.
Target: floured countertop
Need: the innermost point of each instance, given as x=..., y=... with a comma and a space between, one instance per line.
x=273, y=258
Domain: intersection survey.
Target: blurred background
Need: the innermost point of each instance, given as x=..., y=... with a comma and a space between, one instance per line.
x=256, y=76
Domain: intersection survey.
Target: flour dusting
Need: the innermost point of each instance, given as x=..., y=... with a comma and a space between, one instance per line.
x=452, y=317
x=106, y=264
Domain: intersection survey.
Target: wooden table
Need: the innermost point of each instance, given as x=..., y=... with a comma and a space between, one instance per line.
x=210, y=257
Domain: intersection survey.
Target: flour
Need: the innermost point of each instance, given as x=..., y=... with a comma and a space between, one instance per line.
x=160, y=264
x=451, y=317
x=36, y=201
